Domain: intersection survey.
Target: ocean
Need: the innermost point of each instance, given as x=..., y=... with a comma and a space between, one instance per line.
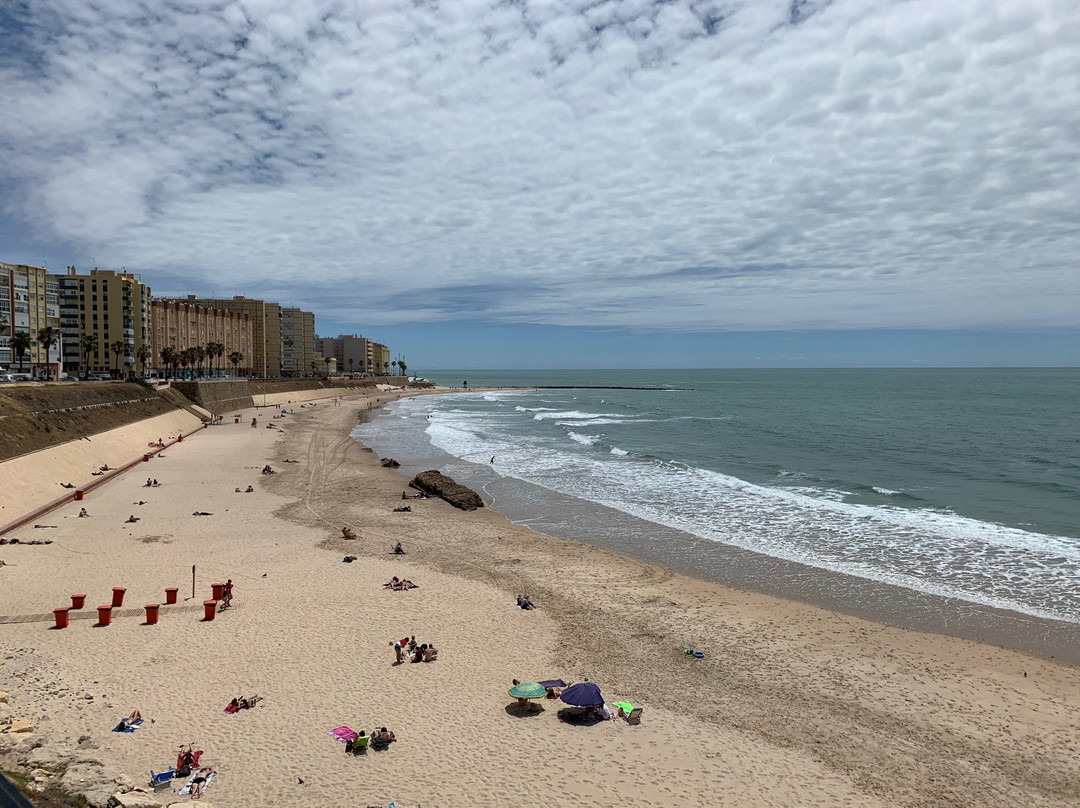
x=940, y=499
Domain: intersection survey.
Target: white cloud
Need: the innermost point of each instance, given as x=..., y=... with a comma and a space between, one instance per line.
x=689, y=164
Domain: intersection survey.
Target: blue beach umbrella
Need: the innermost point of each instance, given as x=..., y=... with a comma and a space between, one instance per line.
x=528, y=690
x=585, y=694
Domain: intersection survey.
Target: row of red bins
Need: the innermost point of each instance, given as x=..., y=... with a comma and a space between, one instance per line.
x=78, y=601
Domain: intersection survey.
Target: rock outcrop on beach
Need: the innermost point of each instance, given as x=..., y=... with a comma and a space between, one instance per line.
x=437, y=483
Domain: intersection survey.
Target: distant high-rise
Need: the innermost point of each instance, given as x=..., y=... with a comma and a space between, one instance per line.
x=353, y=353
x=297, y=342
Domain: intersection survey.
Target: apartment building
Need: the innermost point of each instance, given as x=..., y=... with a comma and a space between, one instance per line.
x=297, y=342
x=180, y=324
x=113, y=308
x=265, y=324
x=353, y=353
x=29, y=301
x=380, y=358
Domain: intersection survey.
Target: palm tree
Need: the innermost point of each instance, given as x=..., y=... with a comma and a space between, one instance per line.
x=48, y=337
x=394, y=366
x=402, y=366
x=87, y=345
x=144, y=354
x=350, y=366
x=168, y=359
x=187, y=359
x=236, y=358
x=312, y=367
x=214, y=350
x=20, y=344
x=385, y=368
x=200, y=356
x=326, y=361
x=118, y=350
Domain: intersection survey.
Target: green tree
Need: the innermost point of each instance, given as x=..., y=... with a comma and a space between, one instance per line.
x=144, y=355
x=200, y=357
x=87, y=345
x=393, y=364
x=20, y=344
x=48, y=337
x=402, y=366
x=168, y=359
x=117, y=349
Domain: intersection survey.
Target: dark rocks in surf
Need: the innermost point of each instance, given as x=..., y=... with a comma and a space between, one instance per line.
x=437, y=483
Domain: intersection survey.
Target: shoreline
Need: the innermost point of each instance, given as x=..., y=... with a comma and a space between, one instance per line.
x=792, y=705
x=749, y=571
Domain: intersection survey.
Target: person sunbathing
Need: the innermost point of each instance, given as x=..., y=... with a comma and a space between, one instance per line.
x=358, y=744
x=249, y=490
x=201, y=513
x=394, y=583
x=431, y=653
x=198, y=783
x=291, y=461
x=397, y=549
x=132, y=519
x=66, y=485
x=82, y=513
x=402, y=509
x=523, y=602
x=130, y=721
x=237, y=490
x=156, y=483
x=244, y=703
x=382, y=735
x=347, y=533
x=186, y=758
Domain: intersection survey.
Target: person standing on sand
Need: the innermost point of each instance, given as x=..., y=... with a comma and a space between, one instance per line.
x=493, y=460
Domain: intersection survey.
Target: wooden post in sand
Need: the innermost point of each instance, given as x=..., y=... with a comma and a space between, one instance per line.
x=193, y=581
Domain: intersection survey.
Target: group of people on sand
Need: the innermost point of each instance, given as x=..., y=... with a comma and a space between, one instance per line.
x=151, y=483
x=348, y=533
x=243, y=703
x=420, y=495
x=380, y=736
x=267, y=470
x=407, y=647
x=400, y=585
x=524, y=602
x=248, y=490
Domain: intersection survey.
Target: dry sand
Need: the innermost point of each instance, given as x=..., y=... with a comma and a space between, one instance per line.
x=793, y=706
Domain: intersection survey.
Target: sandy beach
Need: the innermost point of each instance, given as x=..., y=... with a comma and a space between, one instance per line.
x=791, y=706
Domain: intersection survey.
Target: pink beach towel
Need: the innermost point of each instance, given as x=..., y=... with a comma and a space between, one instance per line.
x=343, y=734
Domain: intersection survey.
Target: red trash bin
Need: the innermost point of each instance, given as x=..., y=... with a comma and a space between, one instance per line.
x=78, y=495
x=61, y=617
x=219, y=591
x=118, y=596
x=170, y=594
x=78, y=601
x=209, y=609
x=152, y=613
x=104, y=615
x=146, y=458
x=236, y=420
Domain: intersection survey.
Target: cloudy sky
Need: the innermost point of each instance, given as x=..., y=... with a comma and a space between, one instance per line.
x=606, y=175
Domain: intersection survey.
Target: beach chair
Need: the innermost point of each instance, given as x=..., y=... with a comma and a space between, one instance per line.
x=380, y=743
x=161, y=779
x=359, y=744
x=634, y=716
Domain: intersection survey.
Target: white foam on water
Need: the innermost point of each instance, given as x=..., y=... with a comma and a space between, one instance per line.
x=888, y=492
x=615, y=450
x=931, y=551
x=573, y=415
x=585, y=440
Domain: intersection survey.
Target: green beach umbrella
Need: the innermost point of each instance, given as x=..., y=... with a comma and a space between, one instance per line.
x=528, y=690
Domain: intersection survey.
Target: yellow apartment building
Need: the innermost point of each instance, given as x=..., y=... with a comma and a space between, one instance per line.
x=29, y=301
x=113, y=308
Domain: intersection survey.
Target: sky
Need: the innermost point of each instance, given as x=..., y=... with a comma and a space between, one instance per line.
x=567, y=183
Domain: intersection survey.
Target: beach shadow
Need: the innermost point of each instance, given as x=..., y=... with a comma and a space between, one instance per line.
x=577, y=719
x=524, y=711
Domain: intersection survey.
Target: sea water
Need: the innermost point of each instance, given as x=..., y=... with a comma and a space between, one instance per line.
x=958, y=484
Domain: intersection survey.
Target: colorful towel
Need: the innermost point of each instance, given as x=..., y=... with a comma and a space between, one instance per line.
x=231, y=709
x=552, y=683
x=343, y=734
x=134, y=725
x=625, y=706
x=209, y=779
